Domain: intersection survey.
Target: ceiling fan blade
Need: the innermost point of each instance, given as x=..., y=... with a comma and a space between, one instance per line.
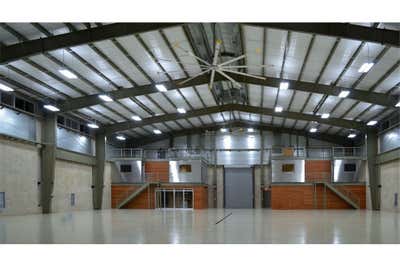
x=191, y=78
x=247, y=66
x=210, y=85
x=232, y=60
x=245, y=74
x=193, y=55
x=216, y=52
x=229, y=78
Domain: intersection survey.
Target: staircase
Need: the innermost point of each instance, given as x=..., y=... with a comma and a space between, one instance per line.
x=134, y=194
x=345, y=195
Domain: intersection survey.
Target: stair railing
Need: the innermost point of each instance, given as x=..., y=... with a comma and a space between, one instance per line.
x=353, y=197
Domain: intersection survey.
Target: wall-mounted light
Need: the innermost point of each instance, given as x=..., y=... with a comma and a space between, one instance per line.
x=93, y=125
x=250, y=130
x=371, y=123
x=5, y=88
x=51, y=108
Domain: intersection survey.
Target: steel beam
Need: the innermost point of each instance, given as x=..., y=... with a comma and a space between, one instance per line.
x=98, y=171
x=75, y=157
x=32, y=47
x=342, y=30
x=48, y=162
x=374, y=182
x=360, y=95
x=138, y=142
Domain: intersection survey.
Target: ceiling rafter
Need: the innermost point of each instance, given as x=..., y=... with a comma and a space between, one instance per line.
x=54, y=42
x=341, y=30
x=232, y=107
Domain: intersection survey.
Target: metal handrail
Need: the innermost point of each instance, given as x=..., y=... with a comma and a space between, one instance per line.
x=353, y=197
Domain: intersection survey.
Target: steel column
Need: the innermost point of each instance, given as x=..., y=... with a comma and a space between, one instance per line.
x=98, y=171
x=374, y=183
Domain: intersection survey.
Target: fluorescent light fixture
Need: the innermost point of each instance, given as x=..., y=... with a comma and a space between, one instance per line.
x=68, y=74
x=371, y=123
x=344, y=94
x=397, y=105
x=93, y=125
x=223, y=130
x=156, y=131
x=121, y=137
x=106, y=98
x=325, y=115
x=136, y=118
x=181, y=110
x=161, y=88
x=5, y=88
x=250, y=130
x=352, y=135
x=51, y=108
x=278, y=109
x=365, y=67
x=313, y=130
x=283, y=85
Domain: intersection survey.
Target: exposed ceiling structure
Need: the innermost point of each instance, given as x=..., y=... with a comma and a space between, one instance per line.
x=128, y=63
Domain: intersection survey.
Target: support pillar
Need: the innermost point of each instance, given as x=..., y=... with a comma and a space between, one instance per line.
x=374, y=183
x=98, y=171
x=48, y=161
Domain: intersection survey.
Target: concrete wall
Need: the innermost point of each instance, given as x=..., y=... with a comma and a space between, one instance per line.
x=212, y=198
x=19, y=176
x=20, y=173
x=390, y=181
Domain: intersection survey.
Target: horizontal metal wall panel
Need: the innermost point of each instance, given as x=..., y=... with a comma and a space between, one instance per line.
x=17, y=124
x=242, y=158
x=135, y=176
x=297, y=176
x=340, y=175
x=73, y=141
x=389, y=140
x=196, y=174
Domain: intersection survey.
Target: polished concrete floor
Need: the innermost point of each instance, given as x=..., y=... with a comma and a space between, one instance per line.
x=204, y=226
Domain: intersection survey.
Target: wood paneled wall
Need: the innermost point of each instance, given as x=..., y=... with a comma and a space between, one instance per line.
x=317, y=170
x=158, y=170
x=303, y=197
x=146, y=199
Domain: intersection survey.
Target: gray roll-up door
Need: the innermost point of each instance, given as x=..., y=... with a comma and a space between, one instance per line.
x=239, y=188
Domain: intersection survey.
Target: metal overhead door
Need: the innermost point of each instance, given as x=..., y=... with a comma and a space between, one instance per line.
x=239, y=188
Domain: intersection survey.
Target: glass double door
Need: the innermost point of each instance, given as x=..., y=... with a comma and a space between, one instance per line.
x=174, y=199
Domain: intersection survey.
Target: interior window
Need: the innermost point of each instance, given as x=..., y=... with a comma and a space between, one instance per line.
x=125, y=168
x=287, y=167
x=185, y=168
x=349, y=167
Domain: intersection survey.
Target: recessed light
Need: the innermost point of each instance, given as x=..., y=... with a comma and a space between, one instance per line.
x=136, y=118
x=161, y=88
x=106, y=98
x=156, y=131
x=365, y=67
x=5, y=88
x=181, y=110
x=344, y=94
x=325, y=115
x=371, y=123
x=93, y=125
x=121, y=137
x=223, y=130
x=397, y=105
x=68, y=74
x=278, y=109
x=283, y=85
x=352, y=135
x=250, y=130
x=51, y=108
x=313, y=130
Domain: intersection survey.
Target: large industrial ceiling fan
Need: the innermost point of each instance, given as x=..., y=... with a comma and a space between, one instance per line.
x=222, y=68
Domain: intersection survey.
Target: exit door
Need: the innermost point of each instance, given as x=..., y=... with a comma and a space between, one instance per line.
x=238, y=188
